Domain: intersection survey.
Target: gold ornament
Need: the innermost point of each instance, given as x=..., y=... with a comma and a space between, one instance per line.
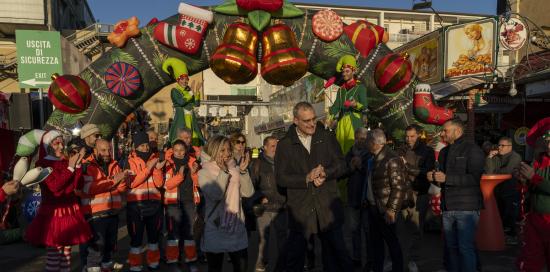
x=234, y=60
x=283, y=62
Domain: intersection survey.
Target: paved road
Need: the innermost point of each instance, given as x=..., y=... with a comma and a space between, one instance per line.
x=25, y=258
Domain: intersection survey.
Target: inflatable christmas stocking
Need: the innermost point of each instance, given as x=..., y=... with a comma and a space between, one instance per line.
x=187, y=35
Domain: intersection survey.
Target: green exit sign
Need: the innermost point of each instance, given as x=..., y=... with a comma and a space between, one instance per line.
x=38, y=57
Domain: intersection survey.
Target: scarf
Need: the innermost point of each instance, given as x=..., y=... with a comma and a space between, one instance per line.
x=143, y=155
x=232, y=202
x=349, y=84
x=180, y=162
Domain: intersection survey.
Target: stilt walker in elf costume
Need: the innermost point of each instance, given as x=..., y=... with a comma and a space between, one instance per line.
x=535, y=250
x=184, y=100
x=350, y=103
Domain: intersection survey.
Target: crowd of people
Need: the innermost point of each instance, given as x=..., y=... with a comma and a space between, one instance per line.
x=196, y=203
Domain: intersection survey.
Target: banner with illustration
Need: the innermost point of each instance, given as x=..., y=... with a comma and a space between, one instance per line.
x=425, y=54
x=470, y=49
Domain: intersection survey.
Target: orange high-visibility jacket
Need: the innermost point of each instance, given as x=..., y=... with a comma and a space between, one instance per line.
x=144, y=185
x=174, y=179
x=99, y=193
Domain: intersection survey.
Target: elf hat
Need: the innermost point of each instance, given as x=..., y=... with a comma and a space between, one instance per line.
x=176, y=67
x=346, y=61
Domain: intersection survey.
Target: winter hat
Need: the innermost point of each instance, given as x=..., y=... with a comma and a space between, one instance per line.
x=140, y=138
x=49, y=137
x=87, y=130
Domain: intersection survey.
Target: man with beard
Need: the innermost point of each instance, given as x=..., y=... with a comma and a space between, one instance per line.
x=89, y=133
x=419, y=159
x=144, y=209
x=104, y=182
x=461, y=165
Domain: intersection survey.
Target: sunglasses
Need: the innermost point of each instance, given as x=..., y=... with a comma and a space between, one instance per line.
x=240, y=142
x=504, y=145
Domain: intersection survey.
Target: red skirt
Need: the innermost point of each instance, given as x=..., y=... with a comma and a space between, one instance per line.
x=62, y=225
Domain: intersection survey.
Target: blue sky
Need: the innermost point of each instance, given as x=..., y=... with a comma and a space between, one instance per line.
x=110, y=11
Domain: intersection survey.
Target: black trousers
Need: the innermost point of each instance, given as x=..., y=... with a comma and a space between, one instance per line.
x=103, y=243
x=381, y=232
x=138, y=224
x=335, y=255
x=179, y=221
x=239, y=260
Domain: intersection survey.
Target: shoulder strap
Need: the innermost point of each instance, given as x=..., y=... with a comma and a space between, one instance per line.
x=218, y=202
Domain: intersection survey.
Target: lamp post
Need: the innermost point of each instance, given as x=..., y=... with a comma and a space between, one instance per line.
x=427, y=4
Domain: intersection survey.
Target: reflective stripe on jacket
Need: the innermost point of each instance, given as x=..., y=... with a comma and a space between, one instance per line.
x=99, y=193
x=145, y=183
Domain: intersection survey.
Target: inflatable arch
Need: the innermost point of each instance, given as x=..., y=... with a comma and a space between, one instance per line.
x=144, y=52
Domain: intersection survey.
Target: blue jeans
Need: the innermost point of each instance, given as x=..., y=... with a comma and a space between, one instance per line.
x=459, y=228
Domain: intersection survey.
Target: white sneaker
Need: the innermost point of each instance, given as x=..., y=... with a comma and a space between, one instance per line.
x=413, y=267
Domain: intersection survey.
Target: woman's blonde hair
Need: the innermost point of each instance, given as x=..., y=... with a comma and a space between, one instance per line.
x=215, y=146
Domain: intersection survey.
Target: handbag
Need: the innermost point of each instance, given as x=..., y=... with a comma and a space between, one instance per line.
x=200, y=221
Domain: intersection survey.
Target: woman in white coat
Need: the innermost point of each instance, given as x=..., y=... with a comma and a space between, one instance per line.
x=223, y=184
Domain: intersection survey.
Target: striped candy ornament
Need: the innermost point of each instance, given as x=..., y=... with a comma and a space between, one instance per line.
x=70, y=94
x=123, y=79
x=393, y=72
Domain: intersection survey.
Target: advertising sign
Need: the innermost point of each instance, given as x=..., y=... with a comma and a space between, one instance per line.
x=470, y=49
x=425, y=54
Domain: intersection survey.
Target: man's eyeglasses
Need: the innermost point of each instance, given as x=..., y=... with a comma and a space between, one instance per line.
x=240, y=142
x=504, y=145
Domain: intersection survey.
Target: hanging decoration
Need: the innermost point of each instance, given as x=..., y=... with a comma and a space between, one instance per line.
x=365, y=36
x=393, y=72
x=425, y=109
x=327, y=25
x=122, y=79
x=513, y=34
x=124, y=30
x=259, y=12
x=283, y=61
x=69, y=93
x=187, y=35
x=234, y=60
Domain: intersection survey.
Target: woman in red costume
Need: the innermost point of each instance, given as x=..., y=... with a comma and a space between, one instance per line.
x=59, y=223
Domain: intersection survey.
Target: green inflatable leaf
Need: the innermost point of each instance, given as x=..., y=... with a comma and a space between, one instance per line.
x=259, y=19
x=288, y=11
x=230, y=7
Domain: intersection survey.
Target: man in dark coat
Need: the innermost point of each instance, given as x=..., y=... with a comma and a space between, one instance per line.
x=358, y=160
x=461, y=169
x=308, y=163
x=419, y=159
x=271, y=220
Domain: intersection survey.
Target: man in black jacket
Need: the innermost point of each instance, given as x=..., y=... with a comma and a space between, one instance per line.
x=270, y=206
x=461, y=169
x=419, y=159
x=307, y=164
x=357, y=160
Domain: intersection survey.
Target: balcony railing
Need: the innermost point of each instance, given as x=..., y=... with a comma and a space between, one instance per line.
x=403, y=38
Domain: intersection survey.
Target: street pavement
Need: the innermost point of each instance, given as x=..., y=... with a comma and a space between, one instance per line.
x=25, y=258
